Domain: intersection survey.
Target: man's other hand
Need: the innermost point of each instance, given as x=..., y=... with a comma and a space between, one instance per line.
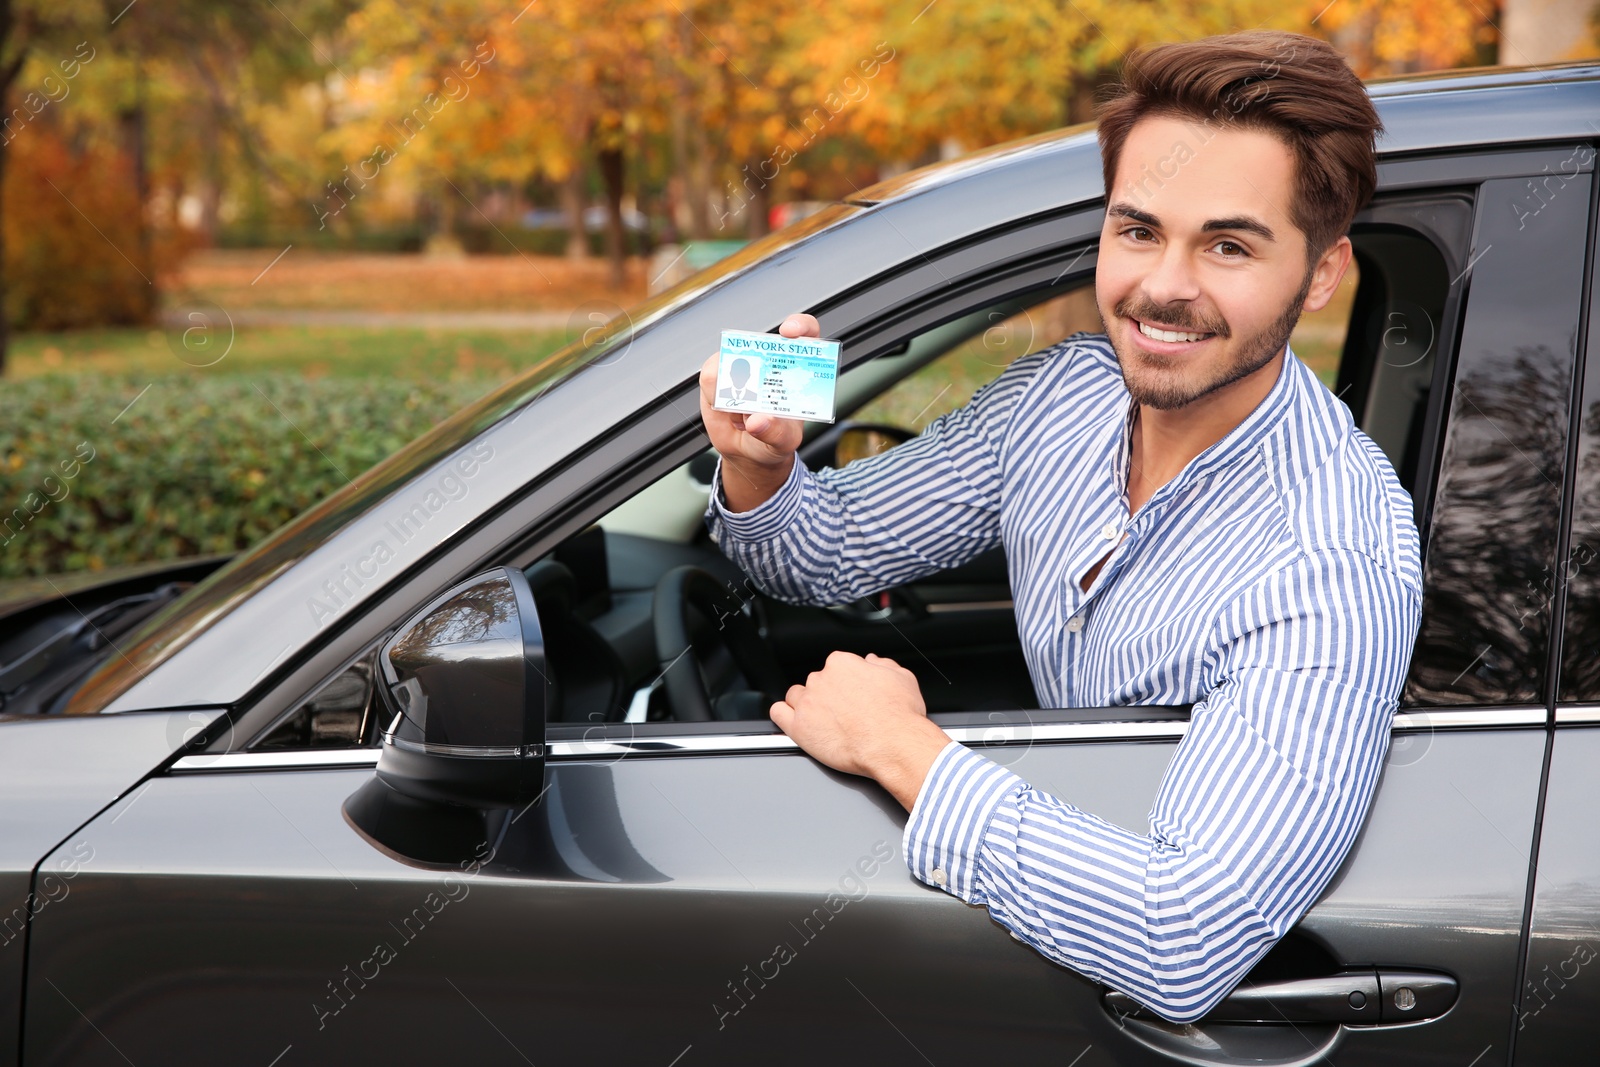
x=757, y=450
x=864, y=716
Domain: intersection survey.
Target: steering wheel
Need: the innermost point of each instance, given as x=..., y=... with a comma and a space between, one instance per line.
x=683, y=640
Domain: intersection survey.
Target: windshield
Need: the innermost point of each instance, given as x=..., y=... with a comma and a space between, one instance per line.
x=224, y=590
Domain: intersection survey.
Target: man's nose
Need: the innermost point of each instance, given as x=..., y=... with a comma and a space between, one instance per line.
x=1173, y=279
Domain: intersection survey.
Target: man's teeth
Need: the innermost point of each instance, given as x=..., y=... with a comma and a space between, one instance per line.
x=1168, y=335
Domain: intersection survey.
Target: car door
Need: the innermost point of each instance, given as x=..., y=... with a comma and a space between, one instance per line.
x=703, y=893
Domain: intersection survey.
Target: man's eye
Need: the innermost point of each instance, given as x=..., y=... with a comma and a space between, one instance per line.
x=1230, y=250
x=1139, y=233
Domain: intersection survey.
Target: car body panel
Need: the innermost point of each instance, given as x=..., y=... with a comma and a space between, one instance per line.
x=55, y=775
x=1558, y=1002
x=638, y=889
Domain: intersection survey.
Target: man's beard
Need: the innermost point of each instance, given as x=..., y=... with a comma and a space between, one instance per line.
x=1165, y=392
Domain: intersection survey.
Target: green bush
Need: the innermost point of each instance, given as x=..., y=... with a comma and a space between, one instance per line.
x=400, y=237
x=476, y=239
x=195, y=466
x=508, y=241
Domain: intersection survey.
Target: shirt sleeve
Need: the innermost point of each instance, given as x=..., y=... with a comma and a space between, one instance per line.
x=1256, y=811
x=931, y=503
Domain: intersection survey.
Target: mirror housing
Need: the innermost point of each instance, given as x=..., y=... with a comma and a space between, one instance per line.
x=466, y=689
x=466, y=683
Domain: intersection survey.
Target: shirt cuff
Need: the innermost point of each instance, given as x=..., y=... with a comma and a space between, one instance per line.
x=767, y=519
x=945, y=832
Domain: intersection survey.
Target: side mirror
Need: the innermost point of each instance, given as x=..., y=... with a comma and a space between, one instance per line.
x=465, y=687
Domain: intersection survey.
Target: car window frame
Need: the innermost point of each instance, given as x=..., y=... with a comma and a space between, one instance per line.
x=1571, y=705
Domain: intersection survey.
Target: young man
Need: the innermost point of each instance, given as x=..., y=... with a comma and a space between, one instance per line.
x=1189, y=516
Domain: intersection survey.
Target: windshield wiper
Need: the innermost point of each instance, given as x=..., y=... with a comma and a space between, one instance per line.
x=31, y=681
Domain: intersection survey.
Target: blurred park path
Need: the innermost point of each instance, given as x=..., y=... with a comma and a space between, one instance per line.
x=305, y=280
x=387, y=320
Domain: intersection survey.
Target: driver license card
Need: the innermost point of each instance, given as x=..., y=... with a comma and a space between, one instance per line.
x=769, y=374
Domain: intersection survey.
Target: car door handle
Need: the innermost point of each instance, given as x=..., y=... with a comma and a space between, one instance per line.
x=1365, y=995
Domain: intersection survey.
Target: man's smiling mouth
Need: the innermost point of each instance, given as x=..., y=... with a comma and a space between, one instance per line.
x=1170, y=336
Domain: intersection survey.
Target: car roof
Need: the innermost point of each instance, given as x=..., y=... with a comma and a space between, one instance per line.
x=1421, y=113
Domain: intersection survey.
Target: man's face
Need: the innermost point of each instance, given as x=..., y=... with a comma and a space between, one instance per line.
x=1202, y=274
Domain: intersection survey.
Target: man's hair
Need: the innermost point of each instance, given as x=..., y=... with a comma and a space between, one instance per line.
x=1296, y=88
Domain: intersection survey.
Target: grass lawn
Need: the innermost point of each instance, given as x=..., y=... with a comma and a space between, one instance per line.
x=205, y=460
x=202, y=444
x=429, y=355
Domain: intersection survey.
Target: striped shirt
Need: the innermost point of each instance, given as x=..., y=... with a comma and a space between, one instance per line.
x=1274, y=584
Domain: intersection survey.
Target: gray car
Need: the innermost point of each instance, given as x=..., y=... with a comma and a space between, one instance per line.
x=471, y=760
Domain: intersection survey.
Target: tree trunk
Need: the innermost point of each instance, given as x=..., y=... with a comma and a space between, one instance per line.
x=209, y=192
x=698, y=186
x=572, y=206
x=5, y=319
x=132, y=123
x=759, y=202
x=8, y=75
x=693, y=156
x=678, y=211
x=209, y=184
x=610, y=160
x=447, y=215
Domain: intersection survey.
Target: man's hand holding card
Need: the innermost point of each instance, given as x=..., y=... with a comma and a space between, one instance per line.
x=754, y=411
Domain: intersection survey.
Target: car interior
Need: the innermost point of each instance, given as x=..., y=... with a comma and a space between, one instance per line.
x=645, y=621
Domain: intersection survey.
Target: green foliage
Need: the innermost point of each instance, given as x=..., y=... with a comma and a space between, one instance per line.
x=194, y=466
x=478, y=240
x=397, y=237
x=487, y=241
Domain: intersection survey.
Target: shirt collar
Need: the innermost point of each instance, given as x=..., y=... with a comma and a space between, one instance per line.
x=1267, y=417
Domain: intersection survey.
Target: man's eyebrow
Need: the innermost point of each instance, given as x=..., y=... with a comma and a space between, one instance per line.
x=1133, y=214
x=1237, y=223
x=1242, y=224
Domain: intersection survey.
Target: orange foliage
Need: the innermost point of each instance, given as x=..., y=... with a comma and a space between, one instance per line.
x=72, y=251
x=1404, y=36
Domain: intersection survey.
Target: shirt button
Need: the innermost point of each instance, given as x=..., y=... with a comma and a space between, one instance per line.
x=939, y=878
x=1110, y=530
x=1075, y=624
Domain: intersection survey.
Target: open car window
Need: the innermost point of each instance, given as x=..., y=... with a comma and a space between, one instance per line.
x=600, y=594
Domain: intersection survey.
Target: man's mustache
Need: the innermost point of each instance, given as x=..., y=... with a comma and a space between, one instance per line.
x=1175, y=316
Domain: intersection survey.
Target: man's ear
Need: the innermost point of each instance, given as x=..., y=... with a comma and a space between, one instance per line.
x=1327, y=274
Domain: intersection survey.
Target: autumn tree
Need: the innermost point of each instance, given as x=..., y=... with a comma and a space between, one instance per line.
x=1404, y=36
x=32, y=30
x=213, y=68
